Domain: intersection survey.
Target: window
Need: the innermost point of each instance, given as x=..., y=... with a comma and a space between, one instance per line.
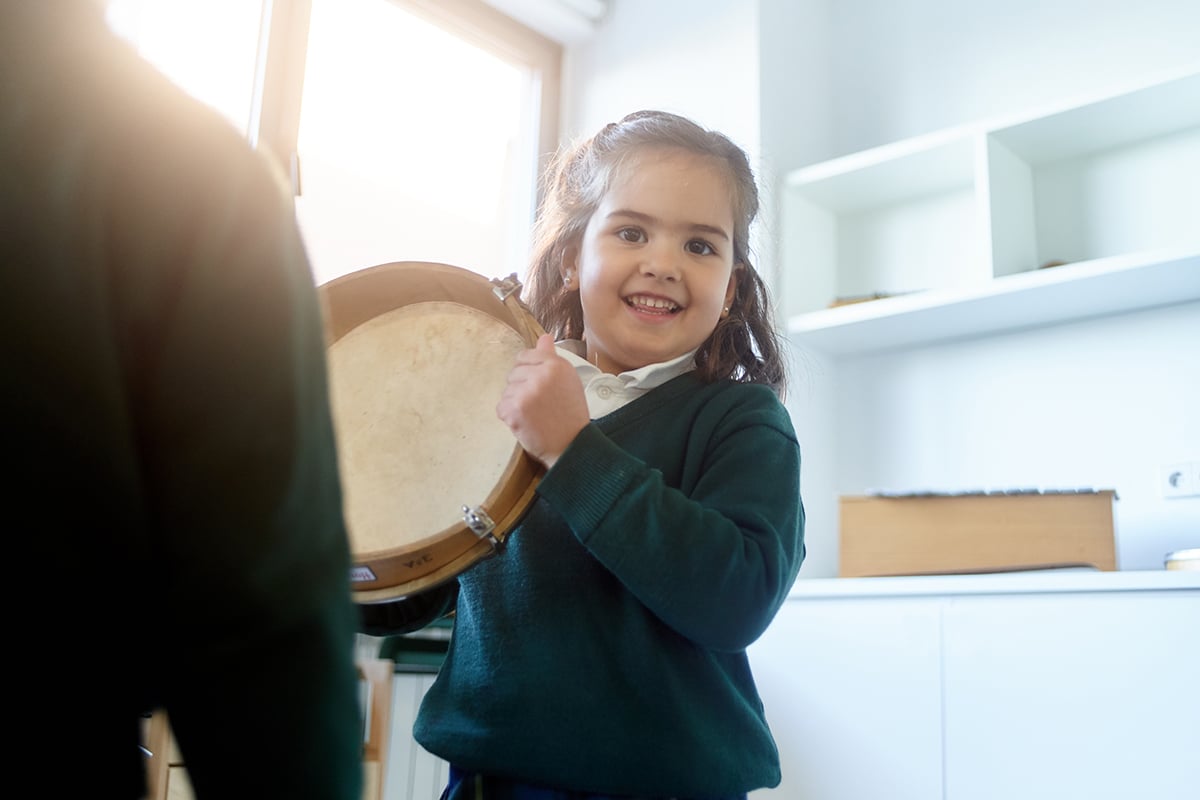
x=413, y=129
x=209, y=47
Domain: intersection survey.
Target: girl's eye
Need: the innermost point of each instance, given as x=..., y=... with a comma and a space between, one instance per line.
x=630, y=234
x=699, y=247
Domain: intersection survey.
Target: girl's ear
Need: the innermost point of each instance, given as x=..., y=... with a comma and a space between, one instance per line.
x=731, y=289
x=568, y=268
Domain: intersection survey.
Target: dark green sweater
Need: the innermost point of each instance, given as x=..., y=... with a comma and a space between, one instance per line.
x=171, y=496
x=603, y=649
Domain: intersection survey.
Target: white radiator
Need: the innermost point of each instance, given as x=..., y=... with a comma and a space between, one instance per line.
x=411, y=772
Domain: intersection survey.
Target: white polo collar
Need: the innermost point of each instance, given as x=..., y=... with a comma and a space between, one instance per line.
x=606, y=393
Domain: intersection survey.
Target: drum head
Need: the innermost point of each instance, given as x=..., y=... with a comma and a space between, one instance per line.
x=418, y=357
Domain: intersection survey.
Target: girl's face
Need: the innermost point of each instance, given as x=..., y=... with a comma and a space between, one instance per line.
x=655, y=266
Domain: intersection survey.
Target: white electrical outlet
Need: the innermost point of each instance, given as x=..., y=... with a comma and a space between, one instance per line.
x=1180, y=480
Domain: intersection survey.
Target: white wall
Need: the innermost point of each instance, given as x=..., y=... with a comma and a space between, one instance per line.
x=1099, y=403
x=907, y=68
x=695, y=59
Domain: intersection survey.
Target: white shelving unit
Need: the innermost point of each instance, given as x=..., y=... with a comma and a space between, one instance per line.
x=955, y=227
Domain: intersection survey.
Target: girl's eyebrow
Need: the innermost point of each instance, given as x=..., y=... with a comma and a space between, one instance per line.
x=648, y=219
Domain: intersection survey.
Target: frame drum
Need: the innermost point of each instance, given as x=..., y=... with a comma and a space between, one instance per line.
x=432, y=481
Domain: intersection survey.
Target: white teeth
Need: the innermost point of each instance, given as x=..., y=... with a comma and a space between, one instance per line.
x=656, y=303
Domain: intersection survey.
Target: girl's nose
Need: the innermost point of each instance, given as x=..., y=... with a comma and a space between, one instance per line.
x=661, y=263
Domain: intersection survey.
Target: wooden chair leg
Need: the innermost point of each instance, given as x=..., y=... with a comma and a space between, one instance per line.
x=376, y=679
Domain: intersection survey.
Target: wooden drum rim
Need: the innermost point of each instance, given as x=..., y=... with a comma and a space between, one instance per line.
x=356, y=298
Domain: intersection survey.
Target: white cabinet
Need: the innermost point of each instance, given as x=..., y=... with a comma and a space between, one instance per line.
x=1031, y=686
x=954, y=228
x=1073, y=695
x=852, y=692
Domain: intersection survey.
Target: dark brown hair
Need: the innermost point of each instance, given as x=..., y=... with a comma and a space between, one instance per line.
x=745, y=346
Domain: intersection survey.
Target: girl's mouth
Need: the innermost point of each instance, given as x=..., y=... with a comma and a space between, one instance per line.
x=652, y=305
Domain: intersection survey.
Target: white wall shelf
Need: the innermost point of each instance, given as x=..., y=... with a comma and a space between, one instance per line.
x=955, y=226
x=1025, y=300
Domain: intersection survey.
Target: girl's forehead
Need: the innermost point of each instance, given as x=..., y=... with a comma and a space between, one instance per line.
x=671, y=158
x=674, y=186
x=650, y=170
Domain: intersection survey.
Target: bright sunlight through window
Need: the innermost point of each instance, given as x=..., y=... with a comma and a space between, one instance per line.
x=208, y=47
x=414, y=145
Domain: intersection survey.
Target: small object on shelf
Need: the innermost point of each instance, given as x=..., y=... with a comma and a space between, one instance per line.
x=1054, y=263
x=1184, y=559
x=864, y=298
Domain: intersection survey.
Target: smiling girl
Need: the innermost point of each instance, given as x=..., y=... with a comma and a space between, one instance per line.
x=604, y=652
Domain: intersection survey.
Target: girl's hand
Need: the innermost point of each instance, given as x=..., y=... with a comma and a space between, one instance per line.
x=543, y=403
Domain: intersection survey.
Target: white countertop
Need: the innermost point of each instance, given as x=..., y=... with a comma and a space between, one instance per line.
x=1027, y=582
